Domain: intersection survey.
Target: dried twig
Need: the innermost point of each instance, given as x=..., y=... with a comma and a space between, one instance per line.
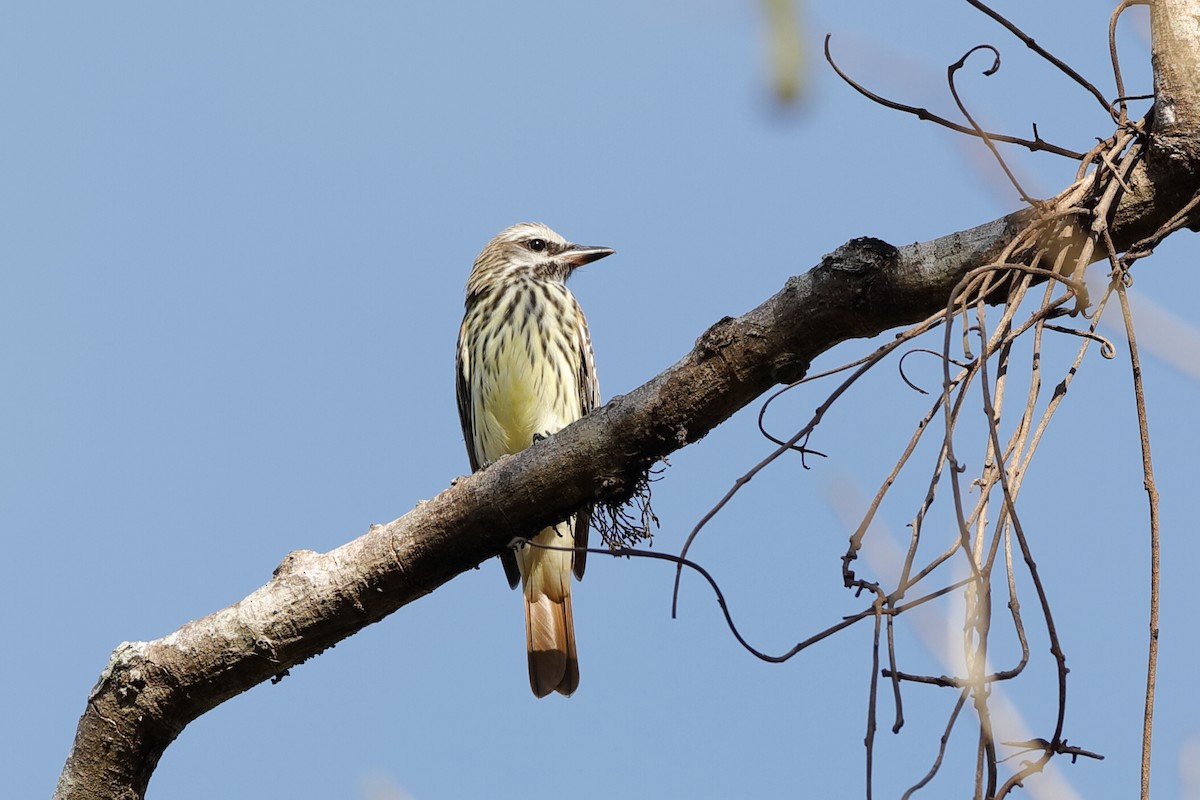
x=1035, y=144
x=1046, y=54
x=987, y=140
x=1062, y=237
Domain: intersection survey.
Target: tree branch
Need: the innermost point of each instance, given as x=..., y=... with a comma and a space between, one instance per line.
x=1175, y=56
x=150, y=691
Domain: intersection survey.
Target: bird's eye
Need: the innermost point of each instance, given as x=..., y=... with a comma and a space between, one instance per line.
x=537, y=245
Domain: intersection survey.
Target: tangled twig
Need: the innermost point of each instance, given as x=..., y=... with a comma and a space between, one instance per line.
x=1064, y=235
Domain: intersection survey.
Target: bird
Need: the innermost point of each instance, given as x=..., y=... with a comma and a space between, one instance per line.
x=525, y=370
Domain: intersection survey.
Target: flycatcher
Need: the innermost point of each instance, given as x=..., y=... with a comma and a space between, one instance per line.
x=525, y=371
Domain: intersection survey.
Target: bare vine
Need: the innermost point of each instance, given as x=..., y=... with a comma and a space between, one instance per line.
x=1063, y=236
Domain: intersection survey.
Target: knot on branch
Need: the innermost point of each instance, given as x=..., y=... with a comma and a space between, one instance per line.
x=787, y=368
x=294, y=562
x=863, y=255
x=123, y=675
x=719, y=336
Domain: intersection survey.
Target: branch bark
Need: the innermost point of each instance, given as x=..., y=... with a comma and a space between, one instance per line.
x=150, y=691
x=1175, y=56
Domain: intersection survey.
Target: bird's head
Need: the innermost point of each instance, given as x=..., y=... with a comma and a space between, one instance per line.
x=529, y=250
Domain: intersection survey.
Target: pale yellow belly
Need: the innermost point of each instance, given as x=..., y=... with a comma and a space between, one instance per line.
x=525, y=392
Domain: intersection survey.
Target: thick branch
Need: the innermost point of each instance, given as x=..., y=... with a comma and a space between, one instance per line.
x=151, y=690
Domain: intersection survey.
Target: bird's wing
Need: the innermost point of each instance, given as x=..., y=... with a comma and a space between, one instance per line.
x=589, y=399
x=466, y=415
x=466, y=409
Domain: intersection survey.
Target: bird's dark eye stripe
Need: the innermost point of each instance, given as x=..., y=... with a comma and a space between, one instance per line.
x=537, y=245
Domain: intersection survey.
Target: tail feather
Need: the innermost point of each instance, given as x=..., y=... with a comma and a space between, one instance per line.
x=549, y=626
x=570, y=680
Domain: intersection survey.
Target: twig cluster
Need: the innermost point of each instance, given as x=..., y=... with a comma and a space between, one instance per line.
x=631, y=522
x=1064, y=235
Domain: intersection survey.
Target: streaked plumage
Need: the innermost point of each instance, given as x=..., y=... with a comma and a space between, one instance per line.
x=525, y=370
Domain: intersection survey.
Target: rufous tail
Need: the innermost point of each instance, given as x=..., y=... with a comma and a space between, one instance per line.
x=549, y=626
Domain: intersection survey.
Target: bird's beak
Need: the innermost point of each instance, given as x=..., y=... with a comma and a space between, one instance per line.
x=579, y=254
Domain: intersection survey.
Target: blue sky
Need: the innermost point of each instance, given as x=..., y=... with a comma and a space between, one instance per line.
x=234, y=240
